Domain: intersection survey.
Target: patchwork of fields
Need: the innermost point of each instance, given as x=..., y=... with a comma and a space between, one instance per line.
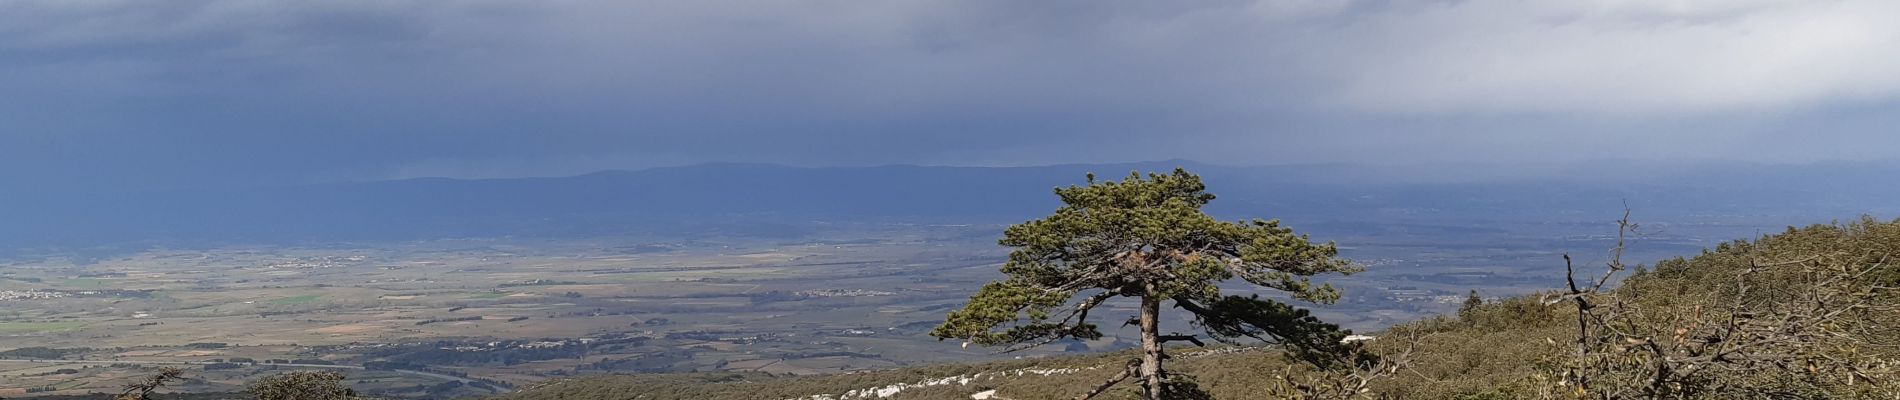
x=463, y=317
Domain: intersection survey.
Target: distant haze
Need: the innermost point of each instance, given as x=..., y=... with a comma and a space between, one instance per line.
x=724, y=200
x=117, y=96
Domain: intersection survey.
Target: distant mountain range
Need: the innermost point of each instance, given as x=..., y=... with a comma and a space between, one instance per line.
x=655, y=200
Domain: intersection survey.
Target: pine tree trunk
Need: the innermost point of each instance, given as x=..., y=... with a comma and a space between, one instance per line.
x=1150, y=347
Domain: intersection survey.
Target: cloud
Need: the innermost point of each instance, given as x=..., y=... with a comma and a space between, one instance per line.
x=203, y=90
x=1617, y=57
x=916, y=56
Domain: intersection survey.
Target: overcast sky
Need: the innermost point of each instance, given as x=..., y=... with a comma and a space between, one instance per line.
x=141, y=94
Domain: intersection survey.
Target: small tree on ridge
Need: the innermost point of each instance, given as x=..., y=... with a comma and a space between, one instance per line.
x=1147, y=238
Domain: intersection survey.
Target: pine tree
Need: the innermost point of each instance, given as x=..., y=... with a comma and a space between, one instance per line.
x=1147, y=238
x=1472, y=302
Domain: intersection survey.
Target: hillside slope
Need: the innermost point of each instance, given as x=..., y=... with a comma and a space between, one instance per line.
x=1806, y=313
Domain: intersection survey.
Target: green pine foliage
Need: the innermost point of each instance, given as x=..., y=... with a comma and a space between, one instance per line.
x=1141, y=237
x=1147, y=238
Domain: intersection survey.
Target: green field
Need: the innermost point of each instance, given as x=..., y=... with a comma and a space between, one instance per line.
x=488, y=296
x=295, y=300
x=40, y=327
x=79, y=283
x=742, y=274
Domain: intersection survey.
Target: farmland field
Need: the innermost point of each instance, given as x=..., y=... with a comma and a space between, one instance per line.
x=468, y=317
x=300, y=299
x=39, y=327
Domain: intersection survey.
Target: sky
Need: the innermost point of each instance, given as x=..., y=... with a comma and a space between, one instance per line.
x=137, y=94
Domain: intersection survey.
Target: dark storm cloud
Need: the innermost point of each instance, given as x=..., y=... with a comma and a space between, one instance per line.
x=181, y=93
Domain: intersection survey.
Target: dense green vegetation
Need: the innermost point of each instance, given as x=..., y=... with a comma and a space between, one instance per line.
x=42, y=353
x=1147, y=238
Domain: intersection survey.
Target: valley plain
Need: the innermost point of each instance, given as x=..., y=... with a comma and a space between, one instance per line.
x=448, y=318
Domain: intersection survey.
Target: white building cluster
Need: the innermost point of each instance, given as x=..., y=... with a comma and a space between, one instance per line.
x=18, y=295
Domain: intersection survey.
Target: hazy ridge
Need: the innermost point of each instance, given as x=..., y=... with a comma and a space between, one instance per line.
x=756, y=196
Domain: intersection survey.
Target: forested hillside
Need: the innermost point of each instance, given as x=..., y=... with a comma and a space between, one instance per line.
x=1805, y=313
